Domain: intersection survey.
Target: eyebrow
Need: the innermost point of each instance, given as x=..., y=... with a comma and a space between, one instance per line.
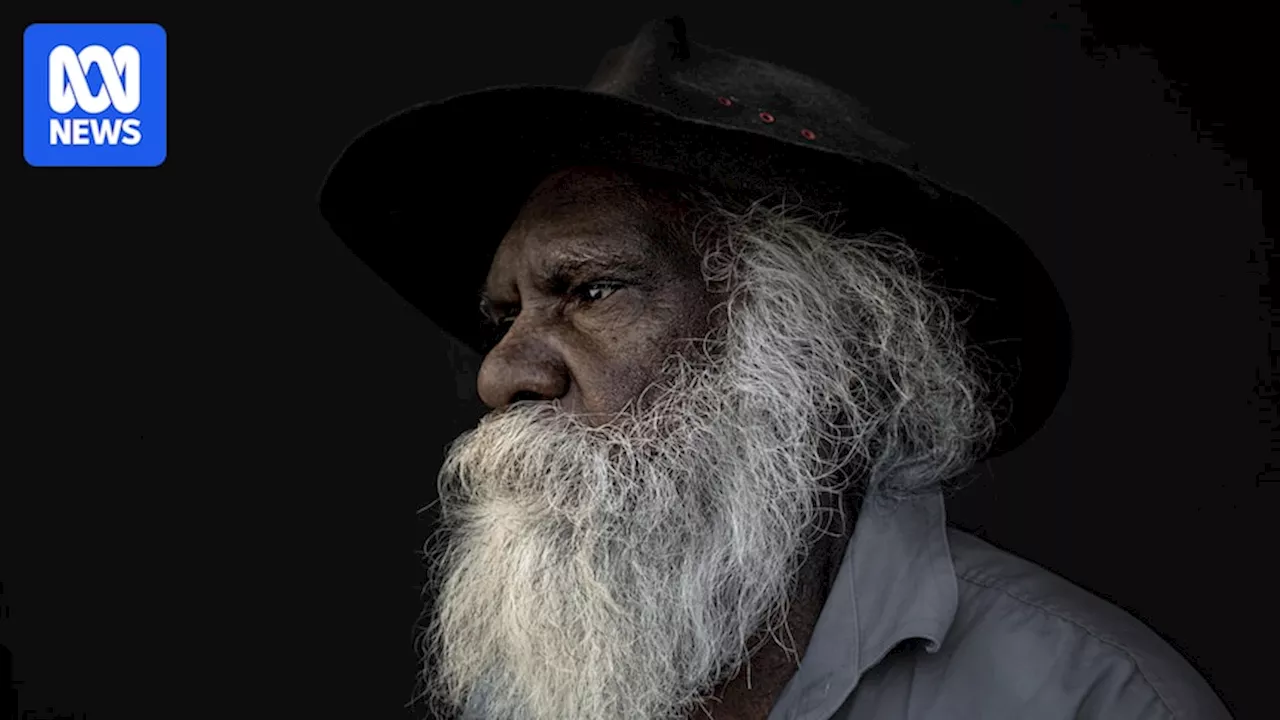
x=568, y=264
x=565, y=266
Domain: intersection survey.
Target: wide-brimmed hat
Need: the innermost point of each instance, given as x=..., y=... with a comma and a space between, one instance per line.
x=425, y=196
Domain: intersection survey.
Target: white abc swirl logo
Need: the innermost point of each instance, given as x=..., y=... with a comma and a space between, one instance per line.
x=121, y=79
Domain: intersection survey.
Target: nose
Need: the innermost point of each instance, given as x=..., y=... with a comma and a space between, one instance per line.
x=520, y=367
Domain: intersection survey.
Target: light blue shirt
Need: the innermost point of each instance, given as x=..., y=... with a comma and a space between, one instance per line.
x=925, y=621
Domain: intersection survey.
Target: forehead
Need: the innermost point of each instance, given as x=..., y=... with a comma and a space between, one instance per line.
x=585, y=216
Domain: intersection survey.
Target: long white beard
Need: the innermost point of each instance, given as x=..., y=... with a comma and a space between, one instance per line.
x=618, y=571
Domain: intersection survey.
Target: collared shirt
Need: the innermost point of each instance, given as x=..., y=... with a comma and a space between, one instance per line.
x=925, y=621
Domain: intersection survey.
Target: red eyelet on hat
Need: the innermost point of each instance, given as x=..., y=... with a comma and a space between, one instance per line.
x=808, y=134
x=724, y=101
x=766, y=117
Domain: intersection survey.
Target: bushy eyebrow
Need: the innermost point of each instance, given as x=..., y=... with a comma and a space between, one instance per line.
x=565, y=267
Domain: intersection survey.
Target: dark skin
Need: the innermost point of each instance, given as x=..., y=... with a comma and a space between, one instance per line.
x=592, y=296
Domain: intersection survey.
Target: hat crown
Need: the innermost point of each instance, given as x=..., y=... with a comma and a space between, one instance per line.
x=661, y=68
x=729, y=122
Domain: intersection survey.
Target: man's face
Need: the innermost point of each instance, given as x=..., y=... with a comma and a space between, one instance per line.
x=662, y=457
x=590, y=295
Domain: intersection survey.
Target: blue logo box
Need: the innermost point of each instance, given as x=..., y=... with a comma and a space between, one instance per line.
x=94, y=95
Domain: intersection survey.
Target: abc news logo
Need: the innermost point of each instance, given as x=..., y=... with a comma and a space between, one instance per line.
x=95, y=95
x=69, y=88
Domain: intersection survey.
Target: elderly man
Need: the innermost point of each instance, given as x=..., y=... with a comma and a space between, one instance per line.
x=736, y=349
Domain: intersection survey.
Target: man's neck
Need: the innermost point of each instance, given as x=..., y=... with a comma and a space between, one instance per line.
x=754, y=689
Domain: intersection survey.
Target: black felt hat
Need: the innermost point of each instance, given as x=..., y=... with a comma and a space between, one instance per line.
x=425, y=196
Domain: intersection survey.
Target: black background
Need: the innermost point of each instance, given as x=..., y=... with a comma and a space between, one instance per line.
x=223, y=425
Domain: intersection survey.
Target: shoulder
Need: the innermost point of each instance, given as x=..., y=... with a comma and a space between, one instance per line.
x=1065, y=640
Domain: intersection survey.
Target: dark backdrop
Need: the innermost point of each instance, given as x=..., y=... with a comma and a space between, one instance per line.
x=223, y=425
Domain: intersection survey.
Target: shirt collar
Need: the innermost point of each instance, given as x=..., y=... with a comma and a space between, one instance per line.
x=896, y=582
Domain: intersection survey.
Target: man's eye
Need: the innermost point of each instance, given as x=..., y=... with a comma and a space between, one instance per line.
x=492, y=333
x=597, y=291
x=490, y=319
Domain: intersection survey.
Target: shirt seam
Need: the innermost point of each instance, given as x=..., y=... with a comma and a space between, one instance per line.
x=806, y=704
x=1137, y=663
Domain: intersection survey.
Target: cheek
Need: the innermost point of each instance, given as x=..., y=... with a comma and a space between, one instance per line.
x=626, y=359
x=630, y=344
x=645, y=329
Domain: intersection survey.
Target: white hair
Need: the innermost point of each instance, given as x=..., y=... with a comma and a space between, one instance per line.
x=618, y=570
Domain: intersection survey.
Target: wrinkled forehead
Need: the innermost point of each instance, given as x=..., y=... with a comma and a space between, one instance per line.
x=585, y=200
x=595, y=214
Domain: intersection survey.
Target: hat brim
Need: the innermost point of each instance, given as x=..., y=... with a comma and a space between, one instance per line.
x=425, y=196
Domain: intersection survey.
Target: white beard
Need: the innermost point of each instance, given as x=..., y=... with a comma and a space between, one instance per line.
x=619, y=571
